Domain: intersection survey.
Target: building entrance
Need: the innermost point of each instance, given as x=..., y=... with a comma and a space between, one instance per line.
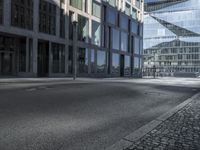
x=43, y=59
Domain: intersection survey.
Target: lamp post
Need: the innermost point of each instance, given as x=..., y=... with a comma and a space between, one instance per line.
x=74, y=23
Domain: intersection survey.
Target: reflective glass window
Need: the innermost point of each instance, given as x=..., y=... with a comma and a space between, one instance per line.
x=124, y=22
x=96, y=33
x=115, y=63
x=136, y=45
x=101, y=62
x=83, y=28
x=111, y=16
x=136, y=62
x=134, y=27
x=115, y=39
x=77, y=4
x=96, y=9
x=127, y=65
x=124, y=41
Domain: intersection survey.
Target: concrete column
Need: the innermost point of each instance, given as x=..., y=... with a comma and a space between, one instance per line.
x=27, y=54
x=7, y=13
x=35, y=55
x=50, y=58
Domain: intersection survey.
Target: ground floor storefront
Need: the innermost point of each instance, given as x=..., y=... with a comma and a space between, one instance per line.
x=29, y=57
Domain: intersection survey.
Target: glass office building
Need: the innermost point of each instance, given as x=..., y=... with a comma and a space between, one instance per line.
x=37, y=37
x=172, y=37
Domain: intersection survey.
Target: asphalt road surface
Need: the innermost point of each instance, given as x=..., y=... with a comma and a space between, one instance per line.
x=81, y=116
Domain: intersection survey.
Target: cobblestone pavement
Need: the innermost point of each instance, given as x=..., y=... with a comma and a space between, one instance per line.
x=179, y=132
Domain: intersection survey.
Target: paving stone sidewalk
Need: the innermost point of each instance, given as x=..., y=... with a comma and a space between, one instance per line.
x=179, y=132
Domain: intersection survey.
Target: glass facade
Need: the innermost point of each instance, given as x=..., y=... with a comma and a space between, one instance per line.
x=171, y=37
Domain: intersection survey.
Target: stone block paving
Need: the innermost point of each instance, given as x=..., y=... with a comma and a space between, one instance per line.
x=179, y=132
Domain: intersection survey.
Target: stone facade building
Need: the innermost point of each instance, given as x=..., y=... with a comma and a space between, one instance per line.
x=37, y=38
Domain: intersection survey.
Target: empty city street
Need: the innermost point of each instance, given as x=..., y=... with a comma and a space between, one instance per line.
x=83, y=115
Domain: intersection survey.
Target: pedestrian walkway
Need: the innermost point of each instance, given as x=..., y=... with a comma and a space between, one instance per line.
x=179, y=132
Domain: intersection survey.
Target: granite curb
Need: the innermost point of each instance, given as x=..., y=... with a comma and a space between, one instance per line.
x=127, y=141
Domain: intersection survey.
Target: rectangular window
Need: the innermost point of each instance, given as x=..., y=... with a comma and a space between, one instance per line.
x=127, y=9
x=112, y=2
x=62, y=23
x=101, y=62
x=137, y=45
x=77, y=4
x=22, y=14
x=58, y=53
x=96, y=33
x=134, y=13
x=124, y=41
x=127, y=66
x=96, y=9
x=115, y=64
x=115, y=39
x=136, y=63
x=137, y=3
x=134, y=27
x=111, y=16
x=124, y=22
x=83, y=60
x=47, y=14
x=83, y=29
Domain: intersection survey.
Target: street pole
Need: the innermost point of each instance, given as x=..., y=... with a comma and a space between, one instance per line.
x=75, y=23
x=154, y=66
